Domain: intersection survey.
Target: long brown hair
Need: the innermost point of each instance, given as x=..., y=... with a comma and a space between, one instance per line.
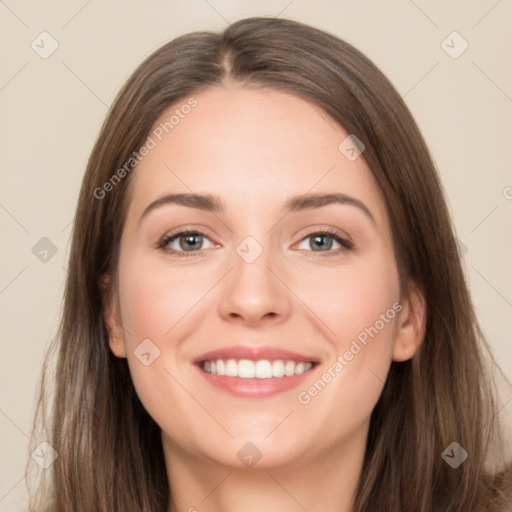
x=110, y=456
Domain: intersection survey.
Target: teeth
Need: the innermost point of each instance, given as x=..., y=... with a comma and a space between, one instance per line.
x=231, y=368
x=262, y=369
x=277, y=369
x=245, y=369
x=289, y=369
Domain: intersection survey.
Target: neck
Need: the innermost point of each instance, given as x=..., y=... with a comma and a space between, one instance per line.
x=325, y=482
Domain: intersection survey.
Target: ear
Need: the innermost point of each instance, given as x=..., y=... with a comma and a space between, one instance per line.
x=411, y=324
x=112, y=317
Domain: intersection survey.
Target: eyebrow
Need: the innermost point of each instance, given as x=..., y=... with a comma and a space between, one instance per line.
x=214, y=204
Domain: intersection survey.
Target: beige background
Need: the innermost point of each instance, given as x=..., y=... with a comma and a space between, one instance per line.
x=52, y=110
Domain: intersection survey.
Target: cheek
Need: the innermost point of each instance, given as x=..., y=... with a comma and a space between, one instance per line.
x=164, y=305
x=352, y=298
x=358, y=308
x=157, y=304
x=156, y=298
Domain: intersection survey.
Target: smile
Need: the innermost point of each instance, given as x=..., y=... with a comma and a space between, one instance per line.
x=262, y=369
x=258, y=372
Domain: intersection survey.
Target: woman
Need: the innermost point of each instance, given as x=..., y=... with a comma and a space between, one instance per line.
x=209, y=357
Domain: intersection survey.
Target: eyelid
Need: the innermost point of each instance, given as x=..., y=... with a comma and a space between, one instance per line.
x=335, y=232
x=189, y=228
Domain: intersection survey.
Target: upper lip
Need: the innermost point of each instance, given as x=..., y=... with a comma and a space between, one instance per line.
x=253, y=354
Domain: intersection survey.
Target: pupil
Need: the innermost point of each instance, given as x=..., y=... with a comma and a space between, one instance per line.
x=192, y=239
x=320, y=237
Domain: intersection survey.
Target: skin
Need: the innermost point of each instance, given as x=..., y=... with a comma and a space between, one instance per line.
x=255, y=148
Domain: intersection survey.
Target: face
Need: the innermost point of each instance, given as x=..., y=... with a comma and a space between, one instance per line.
x=297, y=304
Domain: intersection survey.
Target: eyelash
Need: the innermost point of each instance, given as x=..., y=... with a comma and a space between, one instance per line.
x=346, y=245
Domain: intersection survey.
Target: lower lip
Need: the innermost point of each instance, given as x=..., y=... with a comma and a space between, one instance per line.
x=254, y=387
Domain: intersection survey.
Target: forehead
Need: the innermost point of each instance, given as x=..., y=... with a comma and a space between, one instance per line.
x=250, y=145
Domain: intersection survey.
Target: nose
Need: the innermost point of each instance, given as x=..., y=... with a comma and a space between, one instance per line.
x=255, y=293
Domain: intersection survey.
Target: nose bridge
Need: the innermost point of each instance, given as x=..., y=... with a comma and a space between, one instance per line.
x=254, y=258
x=254, y=291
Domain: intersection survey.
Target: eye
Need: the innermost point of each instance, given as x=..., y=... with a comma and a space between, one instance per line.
x=189, y=241
x=324, y=241
x=185, y=242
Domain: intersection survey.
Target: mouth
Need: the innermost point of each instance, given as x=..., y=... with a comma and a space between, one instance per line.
x=254, y=372
x=261, y=369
